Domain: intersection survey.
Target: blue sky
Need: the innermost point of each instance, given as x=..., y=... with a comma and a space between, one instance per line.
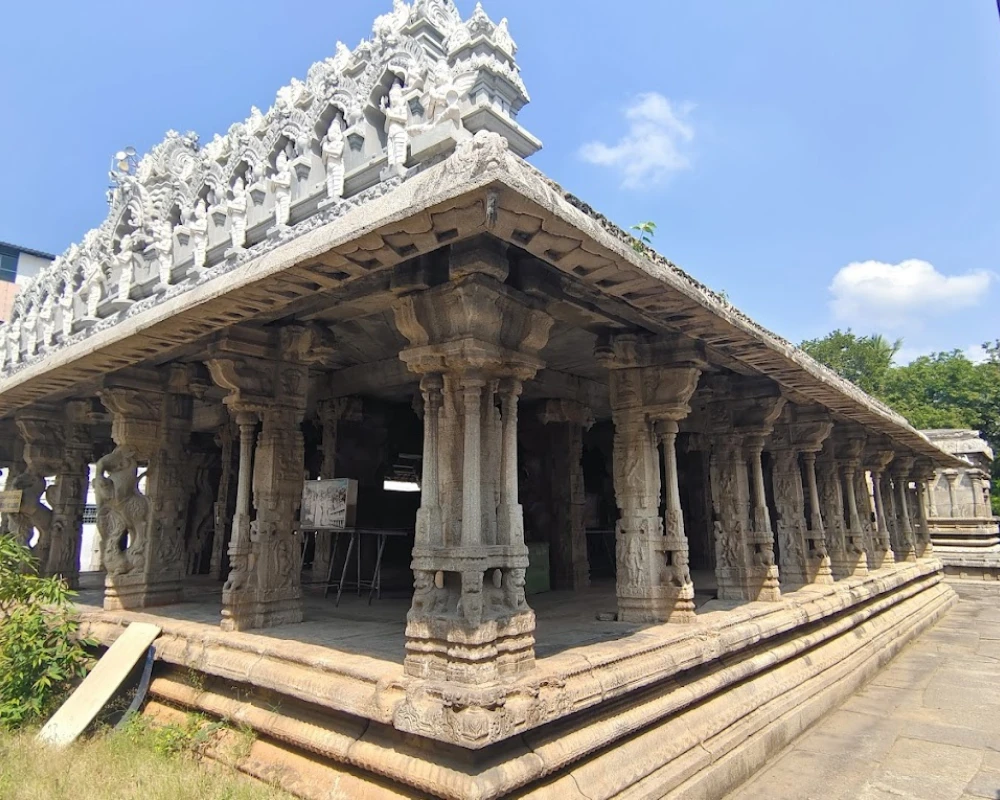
x=825, y=164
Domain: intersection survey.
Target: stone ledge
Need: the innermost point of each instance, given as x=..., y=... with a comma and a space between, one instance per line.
x=706, y=706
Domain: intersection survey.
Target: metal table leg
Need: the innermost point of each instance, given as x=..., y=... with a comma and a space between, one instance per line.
x=376, y=586
x=347, y=562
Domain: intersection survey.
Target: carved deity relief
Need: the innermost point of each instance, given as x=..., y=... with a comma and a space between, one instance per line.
x=789, y=502
x=281, y=184
x=236, y=209
x=123, y=512
x=333, y=159
x=124, y=261
x=397, y=118
x=197, y=223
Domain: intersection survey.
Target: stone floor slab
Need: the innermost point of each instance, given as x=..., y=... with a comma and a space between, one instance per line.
x=927, y=727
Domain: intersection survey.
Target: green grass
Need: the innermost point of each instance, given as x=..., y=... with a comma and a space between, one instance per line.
x=141, y=762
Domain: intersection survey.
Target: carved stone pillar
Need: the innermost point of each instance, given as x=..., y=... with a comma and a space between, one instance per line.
x=903, y=545
x=843, y=561
x=331, y=413
x=923, y=475
x=60, y=445
x=651, y=381
x=42, y=433
x=952, y=475
x=473, y=341
x=565, y=421
x=741, y=417
x=881, y=547
x=801, y=541
x=221, y=508
x=267, y=375
x=143, y=534
x=855, y=515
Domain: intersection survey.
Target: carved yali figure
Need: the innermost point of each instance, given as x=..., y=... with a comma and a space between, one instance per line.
x=122, y=511
x=33, y=516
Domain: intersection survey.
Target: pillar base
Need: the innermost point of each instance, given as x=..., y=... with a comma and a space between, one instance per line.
x=847, y=564
x=820, y=570
x=656, y=604
x=449, y=649
x=243, y=611
x=136, y=590
x=749, y=585
x=882, y=559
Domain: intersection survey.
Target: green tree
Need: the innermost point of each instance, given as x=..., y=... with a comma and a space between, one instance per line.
x=863, y=360
x=942, y=390
x=41, y=653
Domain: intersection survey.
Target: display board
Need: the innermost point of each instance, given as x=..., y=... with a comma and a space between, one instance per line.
x=10, y=501
x=329, y=504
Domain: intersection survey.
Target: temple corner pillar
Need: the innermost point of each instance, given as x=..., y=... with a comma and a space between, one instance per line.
x=473, y=342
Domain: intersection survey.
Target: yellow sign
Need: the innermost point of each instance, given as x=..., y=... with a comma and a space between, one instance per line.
x=10, y=501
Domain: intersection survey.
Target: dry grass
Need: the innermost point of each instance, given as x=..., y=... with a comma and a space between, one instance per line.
x=139, y=763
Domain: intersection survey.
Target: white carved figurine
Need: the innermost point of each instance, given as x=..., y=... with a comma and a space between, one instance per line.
x=14, y=340
x=66, y=306
x=397, y=135
x=48, y=319
x=124, y=259
x=31, y=330
x=93, y=289
x=237, y=210
x=198, y=225
x=443, y=92
x=333, y=159
x=281, y=185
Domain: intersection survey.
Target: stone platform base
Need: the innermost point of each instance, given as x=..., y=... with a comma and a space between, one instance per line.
x=678, y=711
x=962, y=566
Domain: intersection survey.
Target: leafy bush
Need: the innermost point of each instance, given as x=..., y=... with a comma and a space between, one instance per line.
x=41, y=653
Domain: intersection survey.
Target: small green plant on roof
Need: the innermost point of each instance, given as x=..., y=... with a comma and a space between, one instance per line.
x=646, y=231
x=41, y=652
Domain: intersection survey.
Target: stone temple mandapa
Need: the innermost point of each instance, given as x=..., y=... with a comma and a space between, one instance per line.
x=370, y=281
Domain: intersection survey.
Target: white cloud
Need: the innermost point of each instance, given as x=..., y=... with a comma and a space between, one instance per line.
x=887, y=296
x=654, y=147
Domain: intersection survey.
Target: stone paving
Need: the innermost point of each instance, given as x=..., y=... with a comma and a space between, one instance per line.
x=928, y=726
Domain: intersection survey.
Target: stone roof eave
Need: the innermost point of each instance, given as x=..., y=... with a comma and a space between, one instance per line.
x=485, y=187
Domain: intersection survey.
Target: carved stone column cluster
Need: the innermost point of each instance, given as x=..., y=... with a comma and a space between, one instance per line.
x=57, y=444
x=923, y=475
x=267, y=375
x=903, y=543
x=564, y=423
x=797, y=438
x=143, y=533
x=878, y=459
x=741, y=417
x=651, y=381
x=843, y=561
x=857, y=534
x=473, y=341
